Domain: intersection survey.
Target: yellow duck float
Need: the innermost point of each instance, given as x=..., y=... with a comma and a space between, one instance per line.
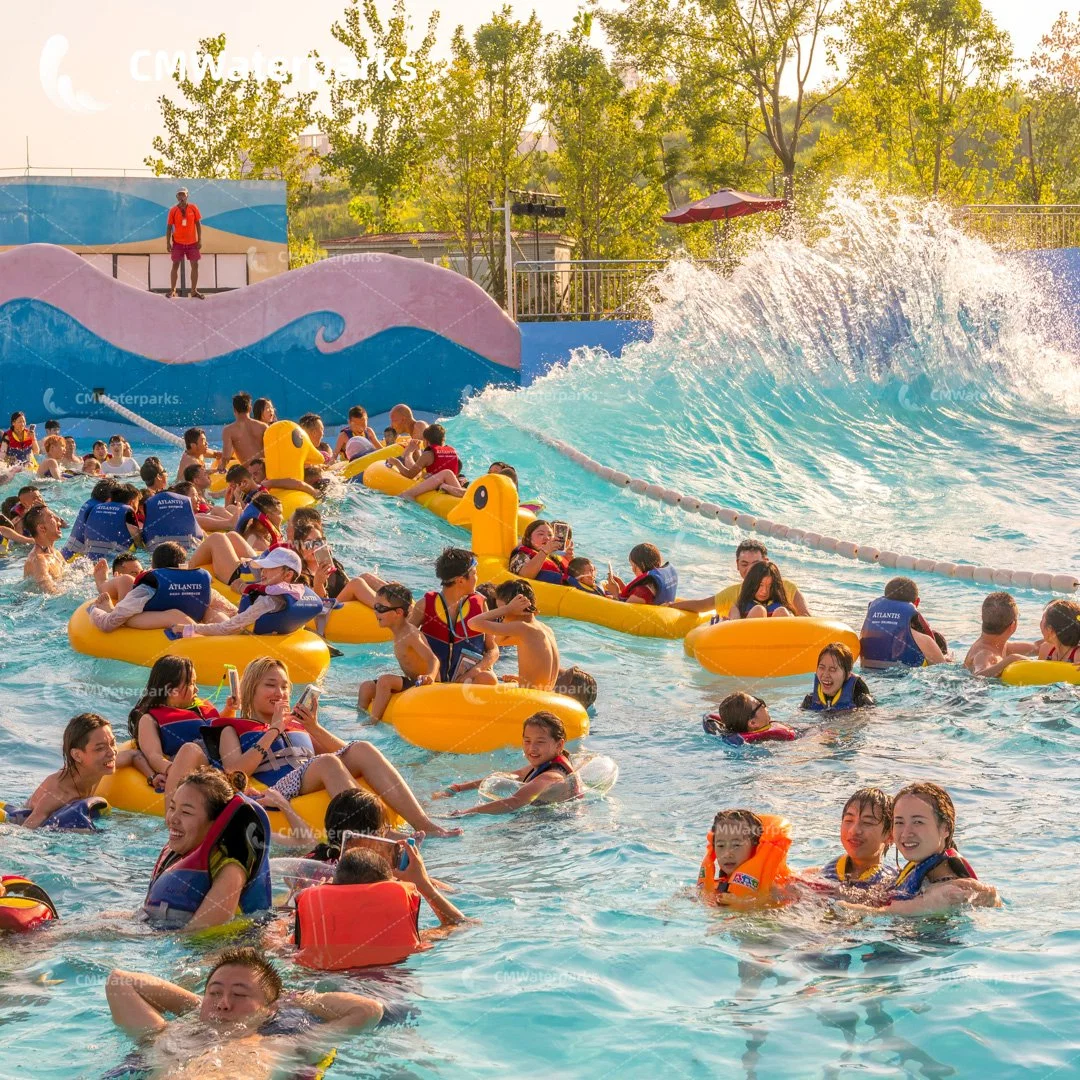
x=286, y=450
x=490, y=507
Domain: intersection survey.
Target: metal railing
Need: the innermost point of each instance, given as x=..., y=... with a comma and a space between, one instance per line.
x=576, y=289
x=1020, y=227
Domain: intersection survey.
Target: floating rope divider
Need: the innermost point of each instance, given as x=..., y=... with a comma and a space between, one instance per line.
x=140, y=421
x=984, y=575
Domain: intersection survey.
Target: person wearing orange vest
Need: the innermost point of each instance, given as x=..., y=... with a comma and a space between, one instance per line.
x=183, y=239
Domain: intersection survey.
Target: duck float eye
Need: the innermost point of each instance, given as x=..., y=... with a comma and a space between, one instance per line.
x=297, y=438
x=480, y=497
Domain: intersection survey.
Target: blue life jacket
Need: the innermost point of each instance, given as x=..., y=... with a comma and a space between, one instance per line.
x=80, y=814
x=875, y=876
x=188, y=591
x=843, y=699
x=288, y=751
x=744, y=608
x=106, y=532
x=169, y=516
x=912, y=876
x=885, y=639
x=666, y=580
x=249, y=513
x=562, y=762
x=180, y=882
x=176, y=727
x=294, y=615
x=76, y=541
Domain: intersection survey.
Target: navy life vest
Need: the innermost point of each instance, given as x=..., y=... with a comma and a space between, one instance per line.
x=80, y=814
x=294, y=615
x=287, y=752
x=449, y=640
x=176, y=727
x=188, y=591
x=180, y=882
x=106, y=532
x=666, y=580
x=76, y=541
x=913, y=875
x=844, y=698
x=885, y=639
x=868, y=879
x=170, y=516
x=253, y=512
x=561, y=762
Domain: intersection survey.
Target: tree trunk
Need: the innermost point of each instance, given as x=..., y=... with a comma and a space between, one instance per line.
x=939, y=147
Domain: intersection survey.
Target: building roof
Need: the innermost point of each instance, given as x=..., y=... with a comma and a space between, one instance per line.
x=378, y=239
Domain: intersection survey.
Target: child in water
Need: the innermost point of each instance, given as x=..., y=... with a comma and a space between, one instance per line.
x=547, y=778
x=742, y=718
x=733, y=841
x=419, y=665
x=1061, y=632
x=835, y=687
x=866, y=834
x=762, y=594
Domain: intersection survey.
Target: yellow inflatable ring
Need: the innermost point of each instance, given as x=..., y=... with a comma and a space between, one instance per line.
x=1040, y=673
x=303, y=653
x=457, y=718
x=389, y=481
x=766, y=648
x=128, y=790
x=357, y=466
x=490, y=507
x=286, y=450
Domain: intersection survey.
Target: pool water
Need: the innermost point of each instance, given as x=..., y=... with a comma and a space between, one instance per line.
x=895, y=383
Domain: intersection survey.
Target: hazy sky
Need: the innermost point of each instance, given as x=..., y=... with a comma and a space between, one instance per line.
x=78, y=78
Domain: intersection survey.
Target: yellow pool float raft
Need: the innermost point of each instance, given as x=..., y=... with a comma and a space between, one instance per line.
x=303, y=653
x=355, y=469
x=490, y=507
x=286, y=450
x=1040, y=673
x=766, y=648
x=464, y=718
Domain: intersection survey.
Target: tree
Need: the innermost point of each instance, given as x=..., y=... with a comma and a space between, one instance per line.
x=929, y=100
x=380, y=106
x=233, y=125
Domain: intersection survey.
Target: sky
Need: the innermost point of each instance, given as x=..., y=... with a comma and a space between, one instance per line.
x=81, y=85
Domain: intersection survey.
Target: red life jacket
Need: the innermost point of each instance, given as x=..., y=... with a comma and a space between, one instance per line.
x=555, y=570
x=179, y=726
x=15, y=443
x=445, y=457
x=447, y=640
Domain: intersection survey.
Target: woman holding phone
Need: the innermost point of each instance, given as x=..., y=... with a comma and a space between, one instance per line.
x=544, y=553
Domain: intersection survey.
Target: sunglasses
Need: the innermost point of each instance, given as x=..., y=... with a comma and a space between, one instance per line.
x=758, y=706
x=382, y=609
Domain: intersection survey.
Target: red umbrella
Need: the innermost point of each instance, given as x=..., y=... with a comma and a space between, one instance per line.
x=721, y=205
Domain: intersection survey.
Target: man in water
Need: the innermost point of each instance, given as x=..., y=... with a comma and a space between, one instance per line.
x=243, y=1027
x=44, y=564
x=993, y=652
x=746, y=554
x=243, y=438
x=404, y=423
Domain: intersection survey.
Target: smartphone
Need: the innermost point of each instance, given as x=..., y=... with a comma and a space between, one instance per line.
x=309, y=699
x=323, y=555
x=562, y=532
x=234, y=680
x=610, y=571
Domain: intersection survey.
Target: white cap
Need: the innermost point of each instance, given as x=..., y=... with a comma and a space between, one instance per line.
x=357, y=446
x=181, y=191
x=279, y=556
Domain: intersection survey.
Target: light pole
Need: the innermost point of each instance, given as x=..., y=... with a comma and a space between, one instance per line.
x=509, y=255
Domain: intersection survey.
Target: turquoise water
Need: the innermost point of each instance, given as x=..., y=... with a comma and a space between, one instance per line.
x=895, y=384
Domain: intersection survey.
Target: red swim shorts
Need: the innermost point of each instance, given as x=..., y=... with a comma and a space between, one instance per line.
x=180, y=252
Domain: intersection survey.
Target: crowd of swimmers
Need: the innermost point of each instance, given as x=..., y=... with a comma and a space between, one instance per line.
x=229, y=778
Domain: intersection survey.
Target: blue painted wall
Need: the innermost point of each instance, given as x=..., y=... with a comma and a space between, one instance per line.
x=544, y=344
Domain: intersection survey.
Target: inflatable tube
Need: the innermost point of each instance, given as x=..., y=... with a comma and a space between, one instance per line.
x=23, y=905
x=596, y=773
x=304, y=654
x=1040, y=673
x=286, y=450
x=127, y=789
x=469, y=719
x=766, y=648
x=78, y=815
x=389, y=481
x=490, y=507
x=355, y=469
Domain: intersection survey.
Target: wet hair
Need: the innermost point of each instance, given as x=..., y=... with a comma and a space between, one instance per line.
x=97, y=443
x=1063, y=617
x=872, y=798
x=103, y=489
x=739, y=821
x=527, y=535
x=241, y=403
x=840, y=653
x=578, y=565
x=938, y=799
x=751, y=545
x=549, y=722
x=254, y=674
x=306, y=515
x=487, y=591
x=389, y=435
x=77, y=735
x=15, y=416
x=998, y=613
x=52, y=425
x=313, y=475
x=577, y=683
x=360, y=867
x=647, y=556
x=399, y=595
x=309, y=419
x=505, y=591
x=124, y=493
x=247, y=957
x=351, y=810
x=27, y=488
x=259, y=407
x=217, y=788
x=902, y=589
x=121, y=559
x=149, y=471
x=358, y=412
x=237, y=473
x=737, y=710
x=33, y=518
x=261, y=462
x=504, y=470
x=185, y=487
x=191, y=471
x=52, y=441
x=191, y=436
x=453, y=563
x=168, y=673
x=435, y=435
x=754, y=577
x=167, y=556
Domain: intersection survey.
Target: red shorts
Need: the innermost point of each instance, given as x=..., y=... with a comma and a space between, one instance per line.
x=180, y=252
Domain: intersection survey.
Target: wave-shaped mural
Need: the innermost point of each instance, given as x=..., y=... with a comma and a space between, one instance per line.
x=371, y=330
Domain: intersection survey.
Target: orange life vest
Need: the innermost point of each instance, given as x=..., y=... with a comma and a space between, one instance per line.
x=755, y=877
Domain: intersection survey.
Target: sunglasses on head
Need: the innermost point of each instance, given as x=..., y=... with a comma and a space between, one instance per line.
x=758, y=706
x=382, y=609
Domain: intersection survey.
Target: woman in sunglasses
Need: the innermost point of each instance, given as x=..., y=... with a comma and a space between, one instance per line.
x=742, y=718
